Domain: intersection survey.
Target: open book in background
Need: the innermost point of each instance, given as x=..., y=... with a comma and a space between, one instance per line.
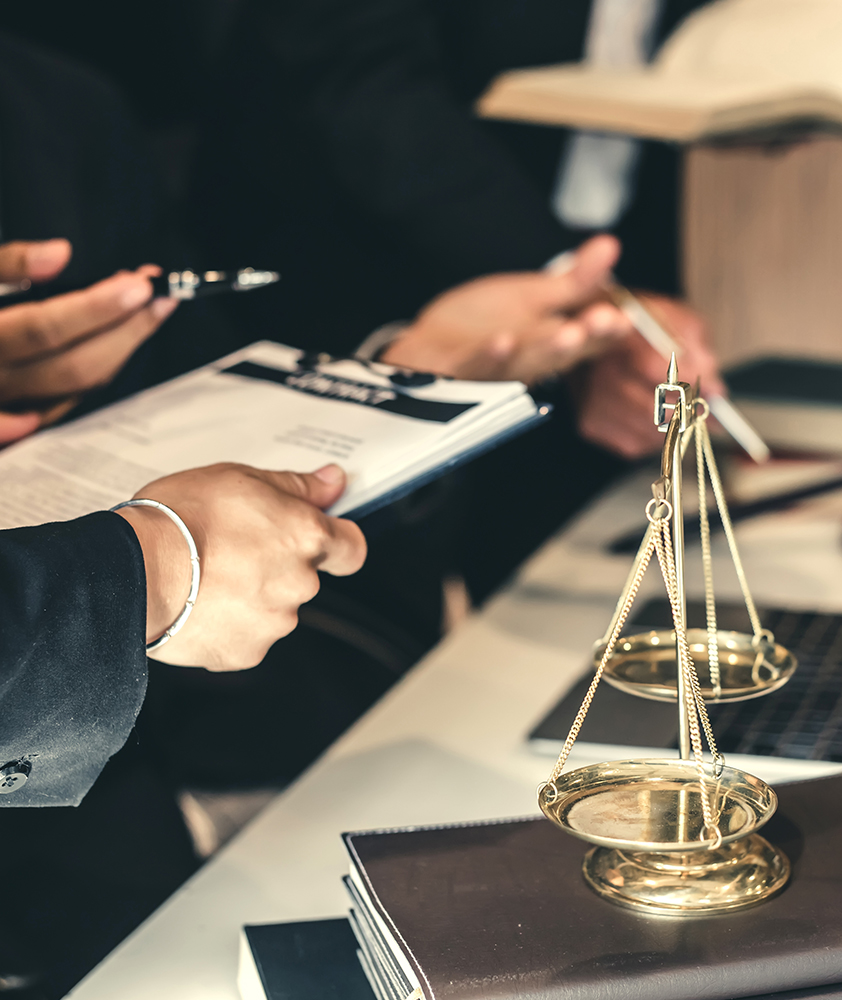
x=269, y=407
x=732, y=66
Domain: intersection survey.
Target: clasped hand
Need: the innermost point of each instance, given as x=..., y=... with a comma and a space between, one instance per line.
x=527, y=326
x=535, y=326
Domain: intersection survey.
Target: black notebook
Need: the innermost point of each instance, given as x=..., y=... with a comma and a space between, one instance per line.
x=311, y=960
x=500, y=911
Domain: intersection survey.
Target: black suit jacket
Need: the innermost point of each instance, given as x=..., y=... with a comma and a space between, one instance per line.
x=342, y=148
x=72, y=655
x=72, y=596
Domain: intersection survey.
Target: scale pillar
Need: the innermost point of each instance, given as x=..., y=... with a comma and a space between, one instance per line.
x=678, y=550
x=682, y=416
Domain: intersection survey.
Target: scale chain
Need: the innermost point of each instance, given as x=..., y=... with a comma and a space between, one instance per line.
x=722, y=506
x=644, y=554
x=658, y=540
x=696, y=709
x=707, y=560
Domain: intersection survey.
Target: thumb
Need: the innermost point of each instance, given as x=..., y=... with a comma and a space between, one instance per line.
x=37, y=260
x=584, y=275
x=14, y=426
x=320, y=488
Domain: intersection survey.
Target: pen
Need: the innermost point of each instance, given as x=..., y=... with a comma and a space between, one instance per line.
x=197, y=284
x=720, y=406
x=184, y=285
x=13, y=287
x=658, y=338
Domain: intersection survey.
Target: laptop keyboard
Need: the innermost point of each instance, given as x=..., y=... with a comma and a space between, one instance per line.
x=801, y=720
x=804, y=718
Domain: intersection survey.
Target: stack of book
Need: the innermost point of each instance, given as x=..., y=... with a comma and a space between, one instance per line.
x=500, y=911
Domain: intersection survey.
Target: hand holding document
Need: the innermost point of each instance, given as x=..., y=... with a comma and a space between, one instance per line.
x=261, y=536
x=268, y=406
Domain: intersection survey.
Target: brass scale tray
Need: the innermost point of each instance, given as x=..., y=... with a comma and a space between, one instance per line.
x=677, y=836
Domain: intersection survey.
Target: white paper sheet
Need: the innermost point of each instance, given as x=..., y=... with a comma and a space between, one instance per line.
x=211, y=415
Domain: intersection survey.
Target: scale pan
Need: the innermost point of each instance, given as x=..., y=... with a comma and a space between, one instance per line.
x=644, y=665
x=655, y=805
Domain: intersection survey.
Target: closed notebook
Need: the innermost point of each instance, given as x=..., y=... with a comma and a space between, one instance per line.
x=500, y=910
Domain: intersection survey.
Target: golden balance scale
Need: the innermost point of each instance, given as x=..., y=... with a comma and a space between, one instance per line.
x=677, y=836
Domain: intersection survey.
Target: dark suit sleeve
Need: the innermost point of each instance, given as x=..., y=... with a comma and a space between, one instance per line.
x=370, y=82
x=72, y=660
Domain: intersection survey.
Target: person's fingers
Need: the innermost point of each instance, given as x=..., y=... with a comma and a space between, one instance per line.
x=33, y=329
x=557, y=346
x=605, y=320
x=616, y=409
x=561, y=347
x=596, y=258
x=341, y=545
x=586, y=278
x=611, y=428
x=491, y=361
x=57, y=410
x=346, y=549
x=14, y=426
x=36, y=260
x=647, y=365
x=697, y=358
x=321, y=488
x=92, y=362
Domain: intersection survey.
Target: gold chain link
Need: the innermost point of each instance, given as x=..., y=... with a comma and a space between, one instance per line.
x=663, y=545
x=707, y=559
x=647, y=547
x=719, y=493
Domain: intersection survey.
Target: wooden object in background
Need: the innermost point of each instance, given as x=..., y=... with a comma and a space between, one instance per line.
x=763, y=246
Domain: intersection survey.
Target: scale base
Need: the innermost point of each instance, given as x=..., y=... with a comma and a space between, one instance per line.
x=740, y=874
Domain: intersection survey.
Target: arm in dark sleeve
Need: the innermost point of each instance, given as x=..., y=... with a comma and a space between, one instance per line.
x=72, y=652
x=370, y=81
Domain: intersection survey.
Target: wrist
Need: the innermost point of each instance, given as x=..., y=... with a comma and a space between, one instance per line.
x=167, y=566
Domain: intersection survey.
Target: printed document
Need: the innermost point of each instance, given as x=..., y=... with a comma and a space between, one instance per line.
x=272, y=407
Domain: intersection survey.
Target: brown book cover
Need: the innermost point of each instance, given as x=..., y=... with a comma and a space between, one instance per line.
x=500, y=911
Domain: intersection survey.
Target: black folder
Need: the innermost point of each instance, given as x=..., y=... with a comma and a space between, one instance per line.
x=310, y=960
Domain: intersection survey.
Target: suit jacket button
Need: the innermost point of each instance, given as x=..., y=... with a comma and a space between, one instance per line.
x=13, y=776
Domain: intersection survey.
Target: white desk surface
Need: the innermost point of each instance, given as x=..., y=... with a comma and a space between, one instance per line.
x=446, y=744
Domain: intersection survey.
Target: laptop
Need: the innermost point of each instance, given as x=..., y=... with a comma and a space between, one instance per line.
x=800, y=722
